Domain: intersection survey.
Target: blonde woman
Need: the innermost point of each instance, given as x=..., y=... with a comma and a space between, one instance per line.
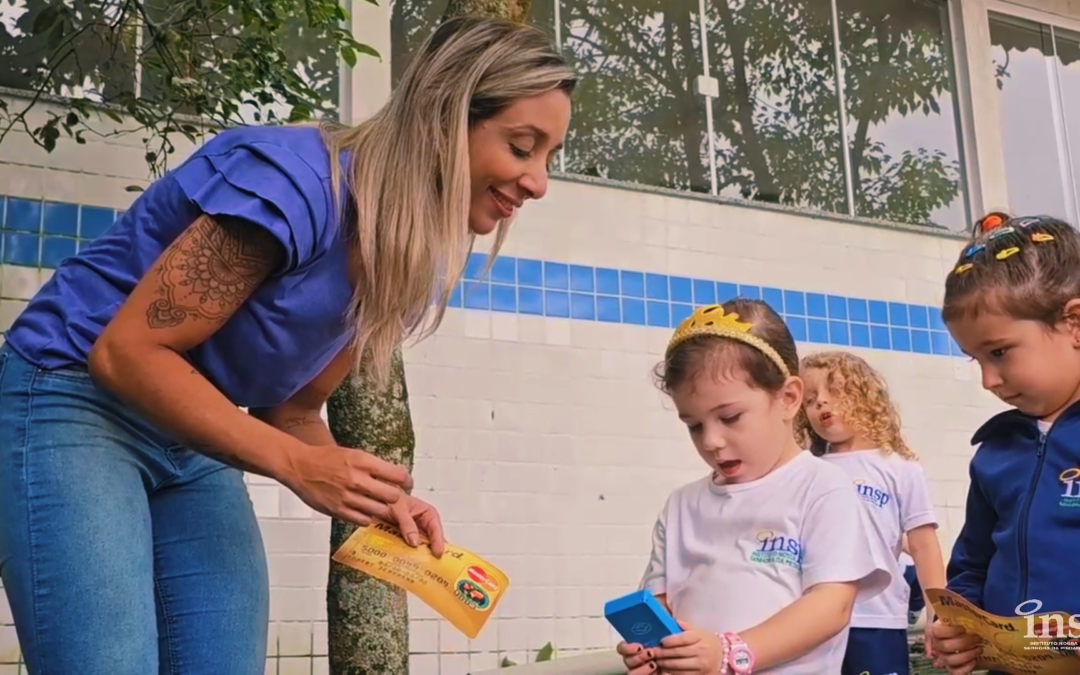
x=254, y=275
x=851, y=421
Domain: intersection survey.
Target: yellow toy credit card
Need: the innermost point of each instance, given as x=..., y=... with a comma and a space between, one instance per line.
x=461, y=586
x=1009, y=643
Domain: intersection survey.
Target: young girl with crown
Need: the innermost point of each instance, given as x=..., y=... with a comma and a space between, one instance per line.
x=761, y=560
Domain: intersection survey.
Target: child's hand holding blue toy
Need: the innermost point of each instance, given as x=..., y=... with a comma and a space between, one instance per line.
x=691, y=651
x=654, y=641
x=643, y=623
x=640, y=619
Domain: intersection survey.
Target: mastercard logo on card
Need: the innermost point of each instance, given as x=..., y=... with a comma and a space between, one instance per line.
x=481, y=577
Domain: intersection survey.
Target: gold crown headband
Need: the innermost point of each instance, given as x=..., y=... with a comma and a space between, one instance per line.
x=711, y=320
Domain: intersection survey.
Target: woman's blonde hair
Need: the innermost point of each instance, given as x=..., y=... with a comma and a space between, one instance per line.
x=408, y=175
x=862, y=402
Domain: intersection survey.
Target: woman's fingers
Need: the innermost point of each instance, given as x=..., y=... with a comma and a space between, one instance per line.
x=406, y=525
x=386, y=471
x=341, y=481
x=431, y=527
x=364, y=482
x=353, y=517
x=373, y=509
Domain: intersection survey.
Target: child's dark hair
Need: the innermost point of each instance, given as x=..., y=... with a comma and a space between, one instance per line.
x=690, y=357
x=1026, y=268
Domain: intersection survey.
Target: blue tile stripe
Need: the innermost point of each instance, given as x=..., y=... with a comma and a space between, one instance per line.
x=555, y=289
x=41, y=234
x=36, y=233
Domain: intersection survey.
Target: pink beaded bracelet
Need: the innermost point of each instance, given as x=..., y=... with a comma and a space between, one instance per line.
x=725, y=648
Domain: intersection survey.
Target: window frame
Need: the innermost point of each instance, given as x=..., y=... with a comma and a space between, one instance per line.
x=1051, y=20
x=967, y=143
x=1031, y=14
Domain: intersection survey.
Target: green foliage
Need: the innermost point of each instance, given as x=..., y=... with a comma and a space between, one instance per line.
x=546, y=653
x=168, y=67
x=776, y=121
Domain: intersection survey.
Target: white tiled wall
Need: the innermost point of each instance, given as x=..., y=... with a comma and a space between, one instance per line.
x=546, y=446
x=543, y=441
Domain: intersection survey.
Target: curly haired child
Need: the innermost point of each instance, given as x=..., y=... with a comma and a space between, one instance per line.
x=851, y=421
x=1012, y=303
x=761, y=559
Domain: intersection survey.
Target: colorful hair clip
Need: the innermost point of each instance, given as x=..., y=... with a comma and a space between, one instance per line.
x=1002, y=232
x=1025, y=223
x=1005, y=253
x=1042, y=237
x=991, y=222
x=960, y=269
x=973, y=250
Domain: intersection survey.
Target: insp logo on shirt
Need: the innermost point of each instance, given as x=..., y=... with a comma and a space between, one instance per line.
x=871, y=494
x=778, y=550
x=1070, y=482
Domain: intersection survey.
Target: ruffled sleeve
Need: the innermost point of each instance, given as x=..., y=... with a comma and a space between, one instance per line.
x=265, y=183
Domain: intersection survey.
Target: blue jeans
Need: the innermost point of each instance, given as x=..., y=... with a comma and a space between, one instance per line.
x=121, y=552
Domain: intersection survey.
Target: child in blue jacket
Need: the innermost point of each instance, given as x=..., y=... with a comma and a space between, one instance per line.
x=1012, y=303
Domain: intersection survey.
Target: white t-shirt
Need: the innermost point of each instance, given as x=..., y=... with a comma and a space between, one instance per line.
x=728, y=557
x=896, y=499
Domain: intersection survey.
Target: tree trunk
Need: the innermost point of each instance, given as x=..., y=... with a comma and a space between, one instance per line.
x=515, y=10
x=368, y=618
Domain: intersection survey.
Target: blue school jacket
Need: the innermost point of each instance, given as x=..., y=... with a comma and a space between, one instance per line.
x=1021, y=538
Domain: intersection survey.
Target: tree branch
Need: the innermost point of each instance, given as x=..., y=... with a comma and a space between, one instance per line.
x=40, y=90
x=637, y=56
x=693, y=132
x=748, y=142
x=869, y=106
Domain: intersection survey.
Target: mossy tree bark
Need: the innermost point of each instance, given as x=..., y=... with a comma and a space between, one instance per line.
x=368, y=618
x=515, y=10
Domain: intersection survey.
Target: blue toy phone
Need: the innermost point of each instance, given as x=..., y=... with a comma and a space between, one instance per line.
x=640, y=618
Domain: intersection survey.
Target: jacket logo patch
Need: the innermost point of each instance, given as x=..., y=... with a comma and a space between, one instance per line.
x=1070, y=483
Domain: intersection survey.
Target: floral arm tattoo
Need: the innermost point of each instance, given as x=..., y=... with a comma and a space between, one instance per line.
x=211, y=270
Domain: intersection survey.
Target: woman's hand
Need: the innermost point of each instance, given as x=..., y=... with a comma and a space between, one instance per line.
x=637, y=659
x=418, y=521
x=347, y=484
x=955, y=649
x=691, y=651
